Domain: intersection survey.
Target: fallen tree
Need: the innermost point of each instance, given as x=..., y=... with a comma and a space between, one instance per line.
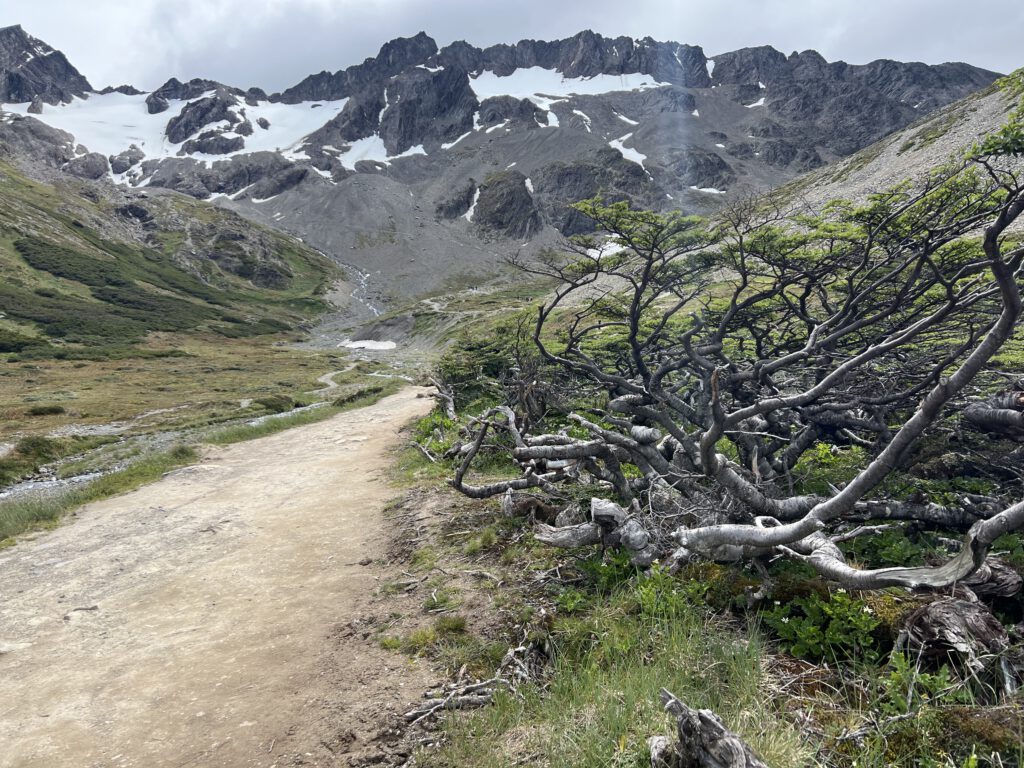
x=722, y=358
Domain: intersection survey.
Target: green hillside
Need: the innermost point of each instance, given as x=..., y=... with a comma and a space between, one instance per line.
x=87, y=277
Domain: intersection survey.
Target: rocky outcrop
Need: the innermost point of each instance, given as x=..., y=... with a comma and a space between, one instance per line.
x=499, y=109
x=22, y=137
x=89, y=166
x=504, y=206
x=359, y=118
x=127, y=90
x=394, y=57
x=202, y=112
x=31, y=70
x=458, y=203
x=210, y=143
x=585, y=55
x=695, y=167
x=604, y=174
x=426, y=107
x=844, y=106
x=159, y=100
x=262, y=174
x=120, y=163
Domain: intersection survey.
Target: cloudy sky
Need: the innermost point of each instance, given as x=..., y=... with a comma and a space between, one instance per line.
x=275, y=43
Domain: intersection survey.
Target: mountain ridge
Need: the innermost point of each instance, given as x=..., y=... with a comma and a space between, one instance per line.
x=378, y=164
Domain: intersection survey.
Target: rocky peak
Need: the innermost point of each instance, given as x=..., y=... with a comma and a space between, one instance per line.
x=750, y=66
x=174, y=89
x=586, y=54
x=30, y=70
x=394, y=57
x=426, y=106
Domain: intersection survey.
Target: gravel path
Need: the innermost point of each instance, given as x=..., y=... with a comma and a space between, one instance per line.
x=202, y=620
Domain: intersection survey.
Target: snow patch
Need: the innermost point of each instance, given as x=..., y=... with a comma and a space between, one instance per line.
x=372, y=148
x=761, y=85
x=529, y=186
x=452, y=144
x=368, y=344
x=627, y=152
x=496, y=127
x=429, y=69
x=586, y=119
x=468, y=215
x=758, y=103
x=625, y=119
x=710, y=65
x=110, y=123
x=709, y=190
x=696, y=113
x=533, y=82
x=720, y=146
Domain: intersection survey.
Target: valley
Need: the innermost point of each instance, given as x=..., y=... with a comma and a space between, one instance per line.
x=467, y=405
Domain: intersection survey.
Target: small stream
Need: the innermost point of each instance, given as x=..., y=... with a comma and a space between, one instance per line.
x=49, y=485
x=361, y=291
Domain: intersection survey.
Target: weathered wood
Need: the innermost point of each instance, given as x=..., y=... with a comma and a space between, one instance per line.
x=960, y=632
x=569, y=537
x=1002, y=414
x=704, y=741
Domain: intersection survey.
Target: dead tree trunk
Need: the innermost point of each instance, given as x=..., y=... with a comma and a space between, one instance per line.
x=704, y=741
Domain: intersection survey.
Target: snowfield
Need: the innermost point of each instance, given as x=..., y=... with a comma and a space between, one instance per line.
x=111, y=123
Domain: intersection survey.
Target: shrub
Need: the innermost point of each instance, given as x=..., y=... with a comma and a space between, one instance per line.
x=276, y=403
x=46, y=410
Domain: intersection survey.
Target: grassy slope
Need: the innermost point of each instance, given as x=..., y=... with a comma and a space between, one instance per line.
x=107, y=328
x=78, y=285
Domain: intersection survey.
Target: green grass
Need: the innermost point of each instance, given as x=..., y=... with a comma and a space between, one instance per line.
x=18, y=516
x=33, y=451
x=243, y=432
x=69, y=288
x=601, y=702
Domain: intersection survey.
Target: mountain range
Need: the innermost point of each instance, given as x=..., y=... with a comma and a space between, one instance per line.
x=426, y=167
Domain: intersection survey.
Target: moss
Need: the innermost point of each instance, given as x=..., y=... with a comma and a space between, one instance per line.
x=996, y=729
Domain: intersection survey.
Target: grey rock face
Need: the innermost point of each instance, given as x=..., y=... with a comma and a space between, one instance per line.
x=359, y=118
x=458, y=203
x=501, y=108
x=505, y=206
x=267, y=173
x=842, y=106
x=426, y=107
x=276, y=183
x=604, y=174
x=158, y=100
x=200, y=113
x=127, y=90
x=700, y=168
x=134, y=211
x=90, y=166
x=31, y=70
x=29, y=137
x=394, y=57
x=210, y=143
x=122, y=162
x=585, y=55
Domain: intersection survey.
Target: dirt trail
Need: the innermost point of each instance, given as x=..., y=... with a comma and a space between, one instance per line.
x=204, y=620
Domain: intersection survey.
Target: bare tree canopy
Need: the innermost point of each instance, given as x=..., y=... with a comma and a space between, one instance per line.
x=712, y=358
